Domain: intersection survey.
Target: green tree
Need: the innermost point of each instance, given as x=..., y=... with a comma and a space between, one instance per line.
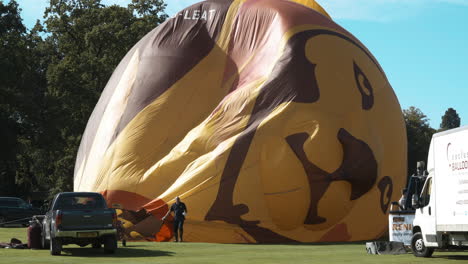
x=419, y=134
x=450, y=120
x=50, y=80
x=17, y=89
x=87, y=40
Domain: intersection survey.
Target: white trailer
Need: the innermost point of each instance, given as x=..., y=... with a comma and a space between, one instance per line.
x=441, y=217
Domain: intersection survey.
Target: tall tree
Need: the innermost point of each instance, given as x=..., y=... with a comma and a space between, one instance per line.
x=88, y=40
x=450, y=120
x=50, y=80
x=14, y=92
x=419, y=134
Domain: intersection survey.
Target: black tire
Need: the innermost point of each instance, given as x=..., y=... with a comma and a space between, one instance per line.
x=110, y=244
x=44, y=242
x=418, y=247
x=55, y=246
x=96, y=244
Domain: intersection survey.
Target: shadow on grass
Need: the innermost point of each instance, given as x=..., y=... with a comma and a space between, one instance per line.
x=133, y=246
x=125, y=252
x=308, y=244
x=452, y=257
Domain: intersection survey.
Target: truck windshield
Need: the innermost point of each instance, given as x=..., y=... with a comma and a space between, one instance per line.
x=81, y=202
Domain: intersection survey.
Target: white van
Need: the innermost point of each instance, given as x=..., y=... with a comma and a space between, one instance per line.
x=441, y=217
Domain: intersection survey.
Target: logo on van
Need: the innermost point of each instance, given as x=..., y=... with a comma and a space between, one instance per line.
x=457, y=159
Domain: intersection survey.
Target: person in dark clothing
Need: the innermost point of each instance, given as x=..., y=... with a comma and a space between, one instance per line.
x=180, y=210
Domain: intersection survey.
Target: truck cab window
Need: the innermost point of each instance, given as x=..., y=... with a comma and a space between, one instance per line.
x=426, y=194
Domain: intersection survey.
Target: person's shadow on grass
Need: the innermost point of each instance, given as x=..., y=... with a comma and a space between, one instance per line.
x=124, y=252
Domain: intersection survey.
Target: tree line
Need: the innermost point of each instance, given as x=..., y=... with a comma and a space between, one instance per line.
x=419, y=133
x=51, y=77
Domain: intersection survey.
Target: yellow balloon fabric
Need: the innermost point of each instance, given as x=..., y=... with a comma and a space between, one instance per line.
x=271, y=122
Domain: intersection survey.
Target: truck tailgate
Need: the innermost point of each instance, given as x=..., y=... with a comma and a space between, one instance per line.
x=86, y=219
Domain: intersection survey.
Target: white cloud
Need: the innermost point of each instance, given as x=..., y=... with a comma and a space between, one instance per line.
x=458, y=2
x=123, y=3
x=32, y=10
x=174, y=6
x=380, y=10
x=368, y=10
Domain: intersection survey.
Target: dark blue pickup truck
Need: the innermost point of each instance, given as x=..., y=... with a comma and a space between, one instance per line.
x=80, y=218
x=16, y=211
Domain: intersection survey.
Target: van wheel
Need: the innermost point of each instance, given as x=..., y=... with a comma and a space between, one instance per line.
x=418, y=247
x=55, y=246
x=110, y=244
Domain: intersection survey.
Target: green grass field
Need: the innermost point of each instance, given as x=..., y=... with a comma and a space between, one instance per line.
x=147, y=252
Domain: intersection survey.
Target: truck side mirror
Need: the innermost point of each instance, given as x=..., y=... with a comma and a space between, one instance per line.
x=415, y=201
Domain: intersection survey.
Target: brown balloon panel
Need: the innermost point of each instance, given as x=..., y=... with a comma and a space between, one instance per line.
x=271, y=122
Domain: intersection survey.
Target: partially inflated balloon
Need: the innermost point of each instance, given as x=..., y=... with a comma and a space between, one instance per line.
x=270, y=121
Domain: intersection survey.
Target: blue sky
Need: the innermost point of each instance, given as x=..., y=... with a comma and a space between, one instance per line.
x=421, y=44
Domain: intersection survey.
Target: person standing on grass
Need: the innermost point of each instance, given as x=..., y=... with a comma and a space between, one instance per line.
x=180, y=210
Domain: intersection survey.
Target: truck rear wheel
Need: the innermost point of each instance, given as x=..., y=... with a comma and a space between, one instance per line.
x=55, y=246
x=44, y=242
x=418, y=247
x=110, y=244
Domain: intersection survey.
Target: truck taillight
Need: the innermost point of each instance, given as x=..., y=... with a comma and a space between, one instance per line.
x=58, y=219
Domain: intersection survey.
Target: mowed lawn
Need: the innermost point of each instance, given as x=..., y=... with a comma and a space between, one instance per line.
x=147, y=252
